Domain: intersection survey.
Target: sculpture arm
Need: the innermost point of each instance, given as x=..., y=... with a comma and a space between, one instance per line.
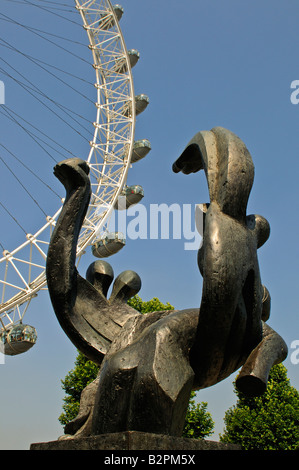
x=190, y=161
x=79, y=307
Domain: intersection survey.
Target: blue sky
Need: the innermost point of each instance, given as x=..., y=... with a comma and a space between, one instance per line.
x=203, y=64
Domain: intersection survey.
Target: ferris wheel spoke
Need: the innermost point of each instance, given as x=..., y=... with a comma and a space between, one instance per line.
x=25, y=274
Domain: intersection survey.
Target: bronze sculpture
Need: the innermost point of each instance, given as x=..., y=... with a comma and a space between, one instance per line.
x=150, y=363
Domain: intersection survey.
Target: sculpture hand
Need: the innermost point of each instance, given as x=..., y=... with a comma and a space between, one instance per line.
x=72, y=173
x=190, y=161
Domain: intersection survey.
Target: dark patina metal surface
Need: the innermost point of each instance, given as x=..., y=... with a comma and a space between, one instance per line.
x=150, y=363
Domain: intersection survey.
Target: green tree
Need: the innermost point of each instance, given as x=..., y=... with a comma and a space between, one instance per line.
x=153, y=305
x=199, y=423
x=84, y=372
x=268, y=422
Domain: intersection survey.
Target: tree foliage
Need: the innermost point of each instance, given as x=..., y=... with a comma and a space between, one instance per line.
x=154, y=305
x=199, y=423
x=84, y=372
x=268, y=422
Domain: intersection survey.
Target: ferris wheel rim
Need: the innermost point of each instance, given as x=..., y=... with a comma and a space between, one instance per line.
x=31, y=289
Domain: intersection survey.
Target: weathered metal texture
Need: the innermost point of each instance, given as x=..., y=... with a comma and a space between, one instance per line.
x=150, y=363
x=230, y=323
x=84, y=313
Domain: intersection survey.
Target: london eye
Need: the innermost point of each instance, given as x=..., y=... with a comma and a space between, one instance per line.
x=106, y=134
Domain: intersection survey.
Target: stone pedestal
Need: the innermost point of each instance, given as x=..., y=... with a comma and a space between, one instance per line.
x=133, y=440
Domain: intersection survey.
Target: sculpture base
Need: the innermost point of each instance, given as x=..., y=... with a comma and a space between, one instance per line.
x=132, y=440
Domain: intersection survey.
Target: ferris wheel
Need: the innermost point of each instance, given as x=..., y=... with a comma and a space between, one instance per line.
x=109, y=154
